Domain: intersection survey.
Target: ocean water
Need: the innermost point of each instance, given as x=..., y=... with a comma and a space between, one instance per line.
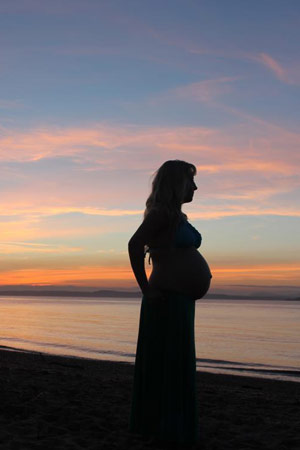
x=256, y=338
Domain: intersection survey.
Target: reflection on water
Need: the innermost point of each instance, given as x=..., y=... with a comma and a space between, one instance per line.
x=256, y=338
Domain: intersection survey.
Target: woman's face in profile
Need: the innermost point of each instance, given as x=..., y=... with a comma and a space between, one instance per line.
x=190, y=188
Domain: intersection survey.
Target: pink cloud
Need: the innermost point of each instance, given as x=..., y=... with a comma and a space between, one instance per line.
x=111, y=145
x=218, y=213
x=288, y=73
x=249, y=165
x=95, y=142
x=273, y=65
x=239, y=163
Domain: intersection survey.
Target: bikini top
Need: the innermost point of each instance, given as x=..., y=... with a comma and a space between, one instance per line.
x=185, y=236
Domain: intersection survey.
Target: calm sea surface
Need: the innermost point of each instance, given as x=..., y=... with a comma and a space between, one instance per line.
x=253, y=337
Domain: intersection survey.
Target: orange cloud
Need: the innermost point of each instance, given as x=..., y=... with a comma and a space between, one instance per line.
x=122, y=275
x=261, y=273
x=92, y=275
x=34, y=247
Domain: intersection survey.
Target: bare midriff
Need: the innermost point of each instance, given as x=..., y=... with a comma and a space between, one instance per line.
x=181, y=270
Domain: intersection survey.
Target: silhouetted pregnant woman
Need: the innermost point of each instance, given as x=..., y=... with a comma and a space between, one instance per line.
x=164, y=389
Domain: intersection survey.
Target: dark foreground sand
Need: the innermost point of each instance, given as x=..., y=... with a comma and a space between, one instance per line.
x=52, y=402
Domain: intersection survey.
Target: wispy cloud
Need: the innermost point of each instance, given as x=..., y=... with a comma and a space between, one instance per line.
x=201, y=91
x=273, y=65
x=53, y=211
x=249, y=165
x=287, y=72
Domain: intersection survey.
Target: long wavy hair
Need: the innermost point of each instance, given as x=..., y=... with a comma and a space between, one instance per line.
x=169, y=188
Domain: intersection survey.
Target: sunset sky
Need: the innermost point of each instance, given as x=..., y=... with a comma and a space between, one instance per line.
x=95, y=95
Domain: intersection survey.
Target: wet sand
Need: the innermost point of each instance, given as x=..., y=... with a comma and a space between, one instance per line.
x=54, y=402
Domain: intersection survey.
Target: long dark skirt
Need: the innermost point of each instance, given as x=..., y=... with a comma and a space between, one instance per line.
x=164, y=389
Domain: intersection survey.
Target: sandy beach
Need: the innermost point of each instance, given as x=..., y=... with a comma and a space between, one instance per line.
x=54, y=402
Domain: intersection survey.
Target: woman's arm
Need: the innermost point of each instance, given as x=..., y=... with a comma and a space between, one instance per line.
x=152, y=225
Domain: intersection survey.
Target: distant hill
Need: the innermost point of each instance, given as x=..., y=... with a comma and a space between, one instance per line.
x=111, y=293
x=47, y=293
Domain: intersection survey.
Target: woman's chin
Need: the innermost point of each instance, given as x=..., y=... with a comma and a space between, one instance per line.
x=188, y=200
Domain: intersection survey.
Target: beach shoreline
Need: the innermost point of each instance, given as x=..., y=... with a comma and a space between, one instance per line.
x=66, y=402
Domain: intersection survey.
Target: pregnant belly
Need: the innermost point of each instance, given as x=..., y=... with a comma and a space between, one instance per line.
x=181, y=270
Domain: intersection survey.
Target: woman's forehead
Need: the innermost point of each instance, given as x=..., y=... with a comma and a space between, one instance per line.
x=191, y=172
